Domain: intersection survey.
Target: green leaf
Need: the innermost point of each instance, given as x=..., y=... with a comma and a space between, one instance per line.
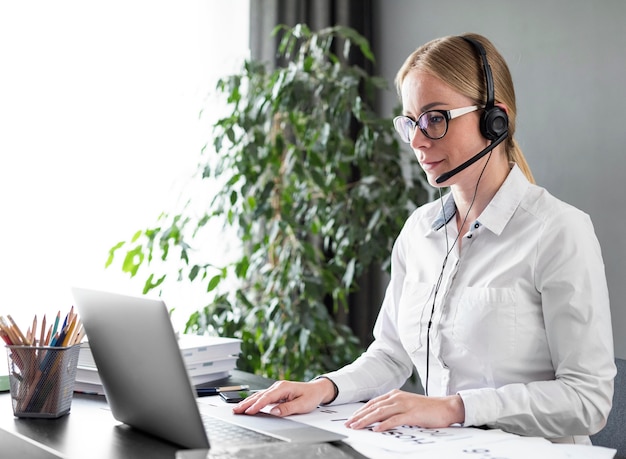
x=132, y=261
x=304, y=340
x=242, y=267
x=213, y=283
x=358, y=40
x=112, y=251
x=348, y=276
x=193, y=273
x=149, y=285
x=136, y=236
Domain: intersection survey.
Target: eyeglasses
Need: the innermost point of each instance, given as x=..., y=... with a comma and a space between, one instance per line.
x=433, y=123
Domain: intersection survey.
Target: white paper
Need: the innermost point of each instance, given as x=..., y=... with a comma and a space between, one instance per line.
x=404, y=439
x=586, y=452
x=451, y=442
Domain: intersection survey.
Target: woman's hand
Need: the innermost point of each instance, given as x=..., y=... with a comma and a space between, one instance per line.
x=397, y=408
x=289, y=397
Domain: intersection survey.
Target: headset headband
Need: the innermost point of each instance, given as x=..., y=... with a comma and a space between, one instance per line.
x=487, y=70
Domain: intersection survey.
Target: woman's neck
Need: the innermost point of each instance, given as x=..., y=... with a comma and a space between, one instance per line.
x=474, y=194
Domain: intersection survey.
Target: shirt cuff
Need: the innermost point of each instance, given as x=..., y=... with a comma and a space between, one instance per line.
x=334, y=386
x=481, y=406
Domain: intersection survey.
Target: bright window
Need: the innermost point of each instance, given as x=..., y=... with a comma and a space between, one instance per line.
x=99, y=130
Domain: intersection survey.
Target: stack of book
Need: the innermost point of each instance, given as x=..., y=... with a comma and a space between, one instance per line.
x=208, y=358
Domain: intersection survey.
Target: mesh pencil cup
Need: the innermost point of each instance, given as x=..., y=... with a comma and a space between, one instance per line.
x=42, y=380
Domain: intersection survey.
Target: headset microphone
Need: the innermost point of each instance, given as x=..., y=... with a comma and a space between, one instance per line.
x=446, y=175
x=494, y=121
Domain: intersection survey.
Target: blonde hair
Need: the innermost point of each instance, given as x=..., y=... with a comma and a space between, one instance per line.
x=456, y=62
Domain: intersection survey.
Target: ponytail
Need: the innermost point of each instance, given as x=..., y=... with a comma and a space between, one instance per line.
x=514, y=154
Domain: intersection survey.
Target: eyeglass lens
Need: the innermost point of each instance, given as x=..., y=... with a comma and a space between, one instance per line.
x=434, y=124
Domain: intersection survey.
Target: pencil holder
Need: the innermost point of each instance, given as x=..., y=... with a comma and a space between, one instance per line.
x=42, y=380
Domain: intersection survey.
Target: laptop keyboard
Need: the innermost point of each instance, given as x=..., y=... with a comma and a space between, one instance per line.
x=226, y=434
x=284, y=450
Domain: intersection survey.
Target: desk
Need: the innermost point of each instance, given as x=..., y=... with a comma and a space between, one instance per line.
x=91, y=431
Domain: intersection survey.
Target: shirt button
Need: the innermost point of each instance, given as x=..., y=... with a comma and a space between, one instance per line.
x=476, y=225
x=469, y=236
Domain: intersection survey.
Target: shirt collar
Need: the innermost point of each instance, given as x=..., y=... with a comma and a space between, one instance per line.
x=445, y=214
x=501, y=208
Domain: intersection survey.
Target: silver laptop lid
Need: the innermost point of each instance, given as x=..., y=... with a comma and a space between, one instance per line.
x=139, y=362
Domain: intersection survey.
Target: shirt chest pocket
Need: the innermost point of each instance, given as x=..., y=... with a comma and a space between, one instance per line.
x=484, y=322
x=413, y=314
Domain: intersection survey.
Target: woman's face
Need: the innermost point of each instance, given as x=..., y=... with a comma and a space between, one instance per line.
x=421, y=92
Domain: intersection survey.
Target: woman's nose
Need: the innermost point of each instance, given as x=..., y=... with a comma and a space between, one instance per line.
x=419, y=139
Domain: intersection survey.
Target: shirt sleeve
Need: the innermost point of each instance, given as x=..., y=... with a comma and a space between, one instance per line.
x=571, y=279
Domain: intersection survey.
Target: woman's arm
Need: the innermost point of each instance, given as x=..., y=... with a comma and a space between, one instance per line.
x=575, y=303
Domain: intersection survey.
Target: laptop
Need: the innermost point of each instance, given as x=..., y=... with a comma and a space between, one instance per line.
x=147, y=386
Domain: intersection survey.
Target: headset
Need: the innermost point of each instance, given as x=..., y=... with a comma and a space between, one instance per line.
x=494, y=122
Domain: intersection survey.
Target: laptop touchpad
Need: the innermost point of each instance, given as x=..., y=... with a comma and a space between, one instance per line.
x=285, y=429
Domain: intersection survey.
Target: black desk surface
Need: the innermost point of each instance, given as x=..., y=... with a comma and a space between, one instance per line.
x=90, y=431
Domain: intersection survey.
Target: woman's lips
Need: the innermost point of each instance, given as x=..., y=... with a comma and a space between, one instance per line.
x=429, y=166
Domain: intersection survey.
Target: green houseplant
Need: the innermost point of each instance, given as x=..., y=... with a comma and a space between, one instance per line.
x=317, y=188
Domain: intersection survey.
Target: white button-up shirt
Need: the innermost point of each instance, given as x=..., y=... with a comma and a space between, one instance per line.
x=521, y=325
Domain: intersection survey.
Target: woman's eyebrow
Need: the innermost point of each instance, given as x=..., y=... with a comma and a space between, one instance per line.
x=423, y=109
x=427, y=107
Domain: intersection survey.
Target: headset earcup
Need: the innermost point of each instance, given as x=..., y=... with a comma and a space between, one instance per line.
x=494, y=123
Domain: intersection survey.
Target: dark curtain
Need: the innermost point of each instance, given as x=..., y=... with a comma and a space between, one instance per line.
x=265, y=15
x=317, y=14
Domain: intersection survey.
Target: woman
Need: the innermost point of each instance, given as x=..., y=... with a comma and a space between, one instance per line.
x=497, y=295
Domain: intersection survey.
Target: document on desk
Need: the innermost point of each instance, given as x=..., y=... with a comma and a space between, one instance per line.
x=451, y=442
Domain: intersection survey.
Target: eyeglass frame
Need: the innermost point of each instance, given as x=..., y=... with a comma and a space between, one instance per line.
x=448, y=115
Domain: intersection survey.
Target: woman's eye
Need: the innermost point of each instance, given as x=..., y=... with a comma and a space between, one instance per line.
x=435, y=118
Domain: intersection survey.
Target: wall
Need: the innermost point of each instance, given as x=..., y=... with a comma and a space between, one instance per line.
x=569, y=66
